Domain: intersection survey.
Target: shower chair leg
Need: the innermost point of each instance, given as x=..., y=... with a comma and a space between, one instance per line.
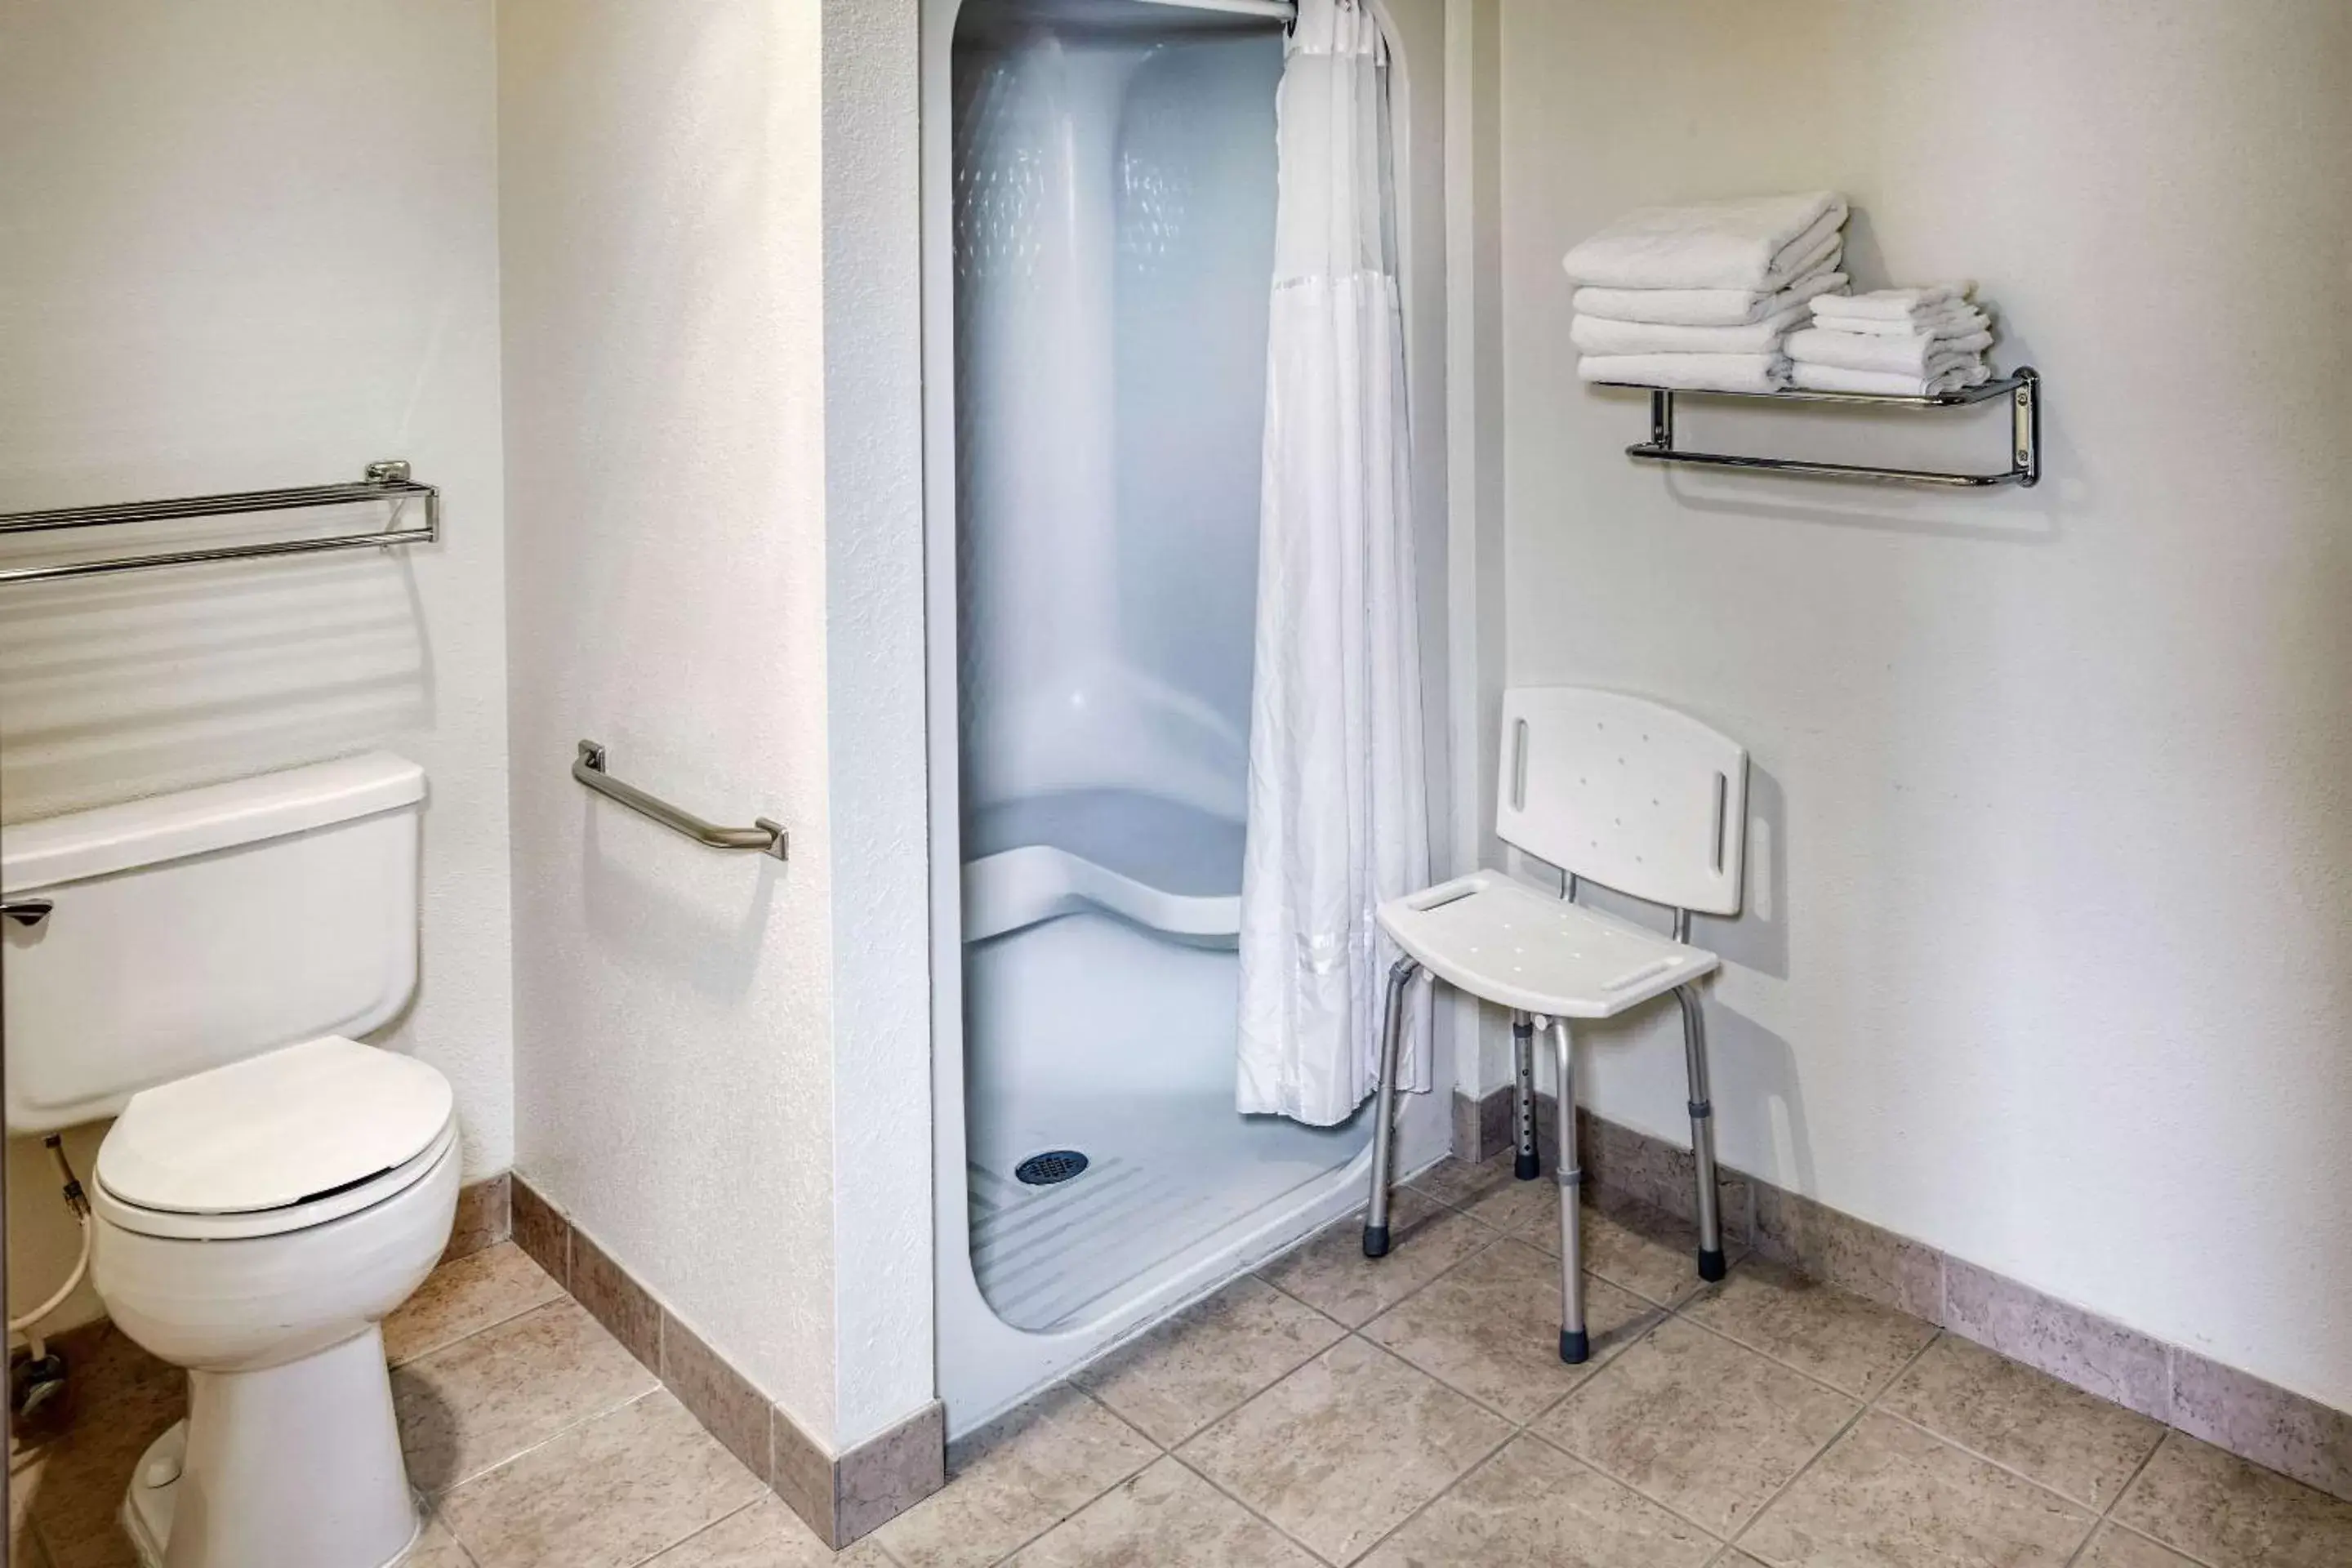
x=1526, y=1167
x=1376, y=1219
x=1575, y=1346
x=1702, y=1115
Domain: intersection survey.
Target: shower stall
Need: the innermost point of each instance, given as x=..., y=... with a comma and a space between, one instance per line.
x=1100, y=188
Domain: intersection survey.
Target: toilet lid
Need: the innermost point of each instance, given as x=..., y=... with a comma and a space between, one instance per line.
x=274, y=1131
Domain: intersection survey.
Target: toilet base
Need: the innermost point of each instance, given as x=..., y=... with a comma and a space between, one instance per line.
x=295, y=1467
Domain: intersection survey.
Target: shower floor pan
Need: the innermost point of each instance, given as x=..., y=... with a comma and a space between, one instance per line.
x=1101, y=995
x=1161, y=1179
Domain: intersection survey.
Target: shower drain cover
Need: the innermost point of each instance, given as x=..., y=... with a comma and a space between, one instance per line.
x=1053, y=1166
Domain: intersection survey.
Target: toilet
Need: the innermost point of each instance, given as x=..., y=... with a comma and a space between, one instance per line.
x=271, y=1187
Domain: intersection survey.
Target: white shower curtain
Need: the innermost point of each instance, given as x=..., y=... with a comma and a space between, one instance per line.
x=1337, y=821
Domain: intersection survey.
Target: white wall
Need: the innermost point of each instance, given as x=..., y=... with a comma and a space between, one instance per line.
x=2047, y=963
x=247, y=245
x=665, y=451
x=714, y=460
x=874, y=691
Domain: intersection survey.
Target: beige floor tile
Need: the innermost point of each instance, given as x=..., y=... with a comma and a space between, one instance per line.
x=83, y=1473
x=2074, y=1443
x=478, y=1403
x=607, y=1493
x=1533, y=1507
x=1187, y=1372
x=1490, y=1328
x=1331, y=1274
x=438, y=1548
x=1708, y=1428
x=1342, y=1450
x=2116, y=1547
x=2228, y=1513
x=1017, y=1478
x=1887, y=1494
x=1456, y=1182
x=465, y=1296
x=1518, y=1208
x=1167, y=1517
x=1850, y=1344
x=766, y=1535
x=1646, y=1250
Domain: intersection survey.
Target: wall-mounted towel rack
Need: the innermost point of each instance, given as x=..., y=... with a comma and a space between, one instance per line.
x=2023, y=390
x=384, y=481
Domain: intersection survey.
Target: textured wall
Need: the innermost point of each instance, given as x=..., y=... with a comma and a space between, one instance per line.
x=223, y=267
x=663, y=314
x=873, y=675
x=2047, y=959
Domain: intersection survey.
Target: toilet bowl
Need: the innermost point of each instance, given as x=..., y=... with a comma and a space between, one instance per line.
x=198, y=965
x=255, y=1224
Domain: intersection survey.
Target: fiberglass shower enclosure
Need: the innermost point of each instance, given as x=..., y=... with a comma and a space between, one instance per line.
x=1100, y=261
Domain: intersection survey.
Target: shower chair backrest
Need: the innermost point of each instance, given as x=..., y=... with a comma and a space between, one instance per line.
x=1626, y=793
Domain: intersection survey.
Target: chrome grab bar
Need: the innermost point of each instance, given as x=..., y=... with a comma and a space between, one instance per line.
x=588, y=767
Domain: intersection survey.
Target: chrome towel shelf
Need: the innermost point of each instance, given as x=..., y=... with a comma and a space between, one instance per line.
x=766, y=836
x=2023, y=390
x=384, y=481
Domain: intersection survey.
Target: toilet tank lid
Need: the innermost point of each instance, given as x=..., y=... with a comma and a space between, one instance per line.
x=111, y=838
x=275, y=1129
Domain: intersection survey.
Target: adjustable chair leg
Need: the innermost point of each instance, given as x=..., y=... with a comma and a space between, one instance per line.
x=1376, y=1221
x=1702, y=1115
x=1527, y=1168
x=1575, y=1346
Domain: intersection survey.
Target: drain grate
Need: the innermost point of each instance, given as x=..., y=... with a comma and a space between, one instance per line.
x=1053, y=1166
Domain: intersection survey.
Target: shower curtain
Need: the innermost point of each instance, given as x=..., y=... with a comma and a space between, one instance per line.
x=1336, y=822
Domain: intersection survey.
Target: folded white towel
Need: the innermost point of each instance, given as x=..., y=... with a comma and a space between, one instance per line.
x=1599, y=335
x=1894, y=304
x=1757, y=242
x=1953, y=321
x=1831, y=378
x=1915, y=355
x=1696, y=372
x=1703, y=306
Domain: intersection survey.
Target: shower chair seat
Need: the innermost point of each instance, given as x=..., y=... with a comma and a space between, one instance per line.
x=1665, y=823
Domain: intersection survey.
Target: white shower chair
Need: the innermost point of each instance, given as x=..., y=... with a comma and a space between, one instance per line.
x=1615, y=790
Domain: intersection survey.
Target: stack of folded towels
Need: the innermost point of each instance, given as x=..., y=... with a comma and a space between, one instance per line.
x=1904, y=342
x=1704, y=297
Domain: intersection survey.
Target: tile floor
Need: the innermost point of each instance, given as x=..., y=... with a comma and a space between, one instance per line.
x=1409, y=1413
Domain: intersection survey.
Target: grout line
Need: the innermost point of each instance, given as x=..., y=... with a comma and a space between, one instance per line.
x=1210, y=1481
x=1056, y=1523
x=1839, y=1437
x=433, y=1500
x=1948, y=1441
x=1480, y=1463
x=695, y=1534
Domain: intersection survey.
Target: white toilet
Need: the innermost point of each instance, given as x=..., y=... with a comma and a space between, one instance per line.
x=270, y=1189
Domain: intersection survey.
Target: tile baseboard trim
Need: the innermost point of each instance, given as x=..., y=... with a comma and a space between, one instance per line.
x=840, y=1497
x=2233, y=1410
x=485, y=1218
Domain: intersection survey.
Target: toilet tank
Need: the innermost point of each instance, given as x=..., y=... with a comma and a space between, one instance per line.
x=195, y=929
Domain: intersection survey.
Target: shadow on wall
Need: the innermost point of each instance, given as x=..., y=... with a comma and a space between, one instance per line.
x=116, y=688
x=648, y=923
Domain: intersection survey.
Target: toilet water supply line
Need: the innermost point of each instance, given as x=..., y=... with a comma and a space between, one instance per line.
x=78, y=1201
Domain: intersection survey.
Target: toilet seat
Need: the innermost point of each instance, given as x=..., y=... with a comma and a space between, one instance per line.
x=279, y=1142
